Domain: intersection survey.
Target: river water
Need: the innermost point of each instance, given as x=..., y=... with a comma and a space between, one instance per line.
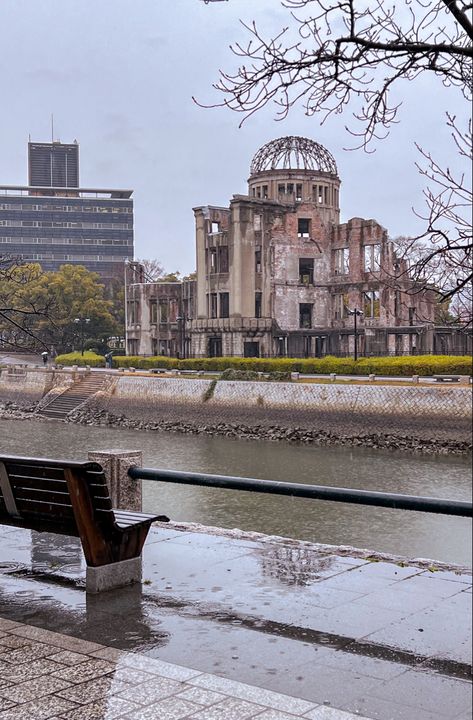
x=412, y=534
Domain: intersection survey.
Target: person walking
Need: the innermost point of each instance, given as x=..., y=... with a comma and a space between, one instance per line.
x=44, y=355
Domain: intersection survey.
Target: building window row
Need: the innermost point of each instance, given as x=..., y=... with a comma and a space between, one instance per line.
x=370, y=300
x=66, y=208
x=65, y=241
x=163, y=311
x=57, y=224
x=261, y=191
x=294, y=190
x=325, y=195
x=74, y=258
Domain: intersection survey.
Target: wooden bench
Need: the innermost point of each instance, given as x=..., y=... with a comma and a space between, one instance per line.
x=72, y=498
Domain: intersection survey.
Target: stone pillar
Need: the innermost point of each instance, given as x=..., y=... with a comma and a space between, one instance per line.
x=126, y=494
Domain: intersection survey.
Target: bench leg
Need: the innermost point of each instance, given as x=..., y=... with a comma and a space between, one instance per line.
x=113, y=575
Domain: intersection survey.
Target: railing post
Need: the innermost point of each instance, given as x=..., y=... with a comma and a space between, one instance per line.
x=126, y=493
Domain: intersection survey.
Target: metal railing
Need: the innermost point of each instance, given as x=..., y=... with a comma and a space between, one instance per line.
x=314, y=492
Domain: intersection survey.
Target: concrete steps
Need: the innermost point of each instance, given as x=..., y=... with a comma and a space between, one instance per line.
x=74, y=396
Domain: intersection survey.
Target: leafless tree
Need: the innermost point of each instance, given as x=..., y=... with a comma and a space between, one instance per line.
x=441, y=258
x=152, y=269
x=338, y=55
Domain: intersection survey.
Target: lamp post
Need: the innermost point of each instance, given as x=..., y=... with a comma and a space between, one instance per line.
x=81, y=322
x=181, y=328
x=356, y=313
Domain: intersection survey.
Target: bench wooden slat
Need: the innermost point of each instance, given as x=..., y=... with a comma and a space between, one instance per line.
x=57, y=498
x=51, y=473
x=25, y=481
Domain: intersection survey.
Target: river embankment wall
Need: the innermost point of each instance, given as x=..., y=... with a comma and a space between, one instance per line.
x=373, y=415
x=26, y=386
x=413, y=417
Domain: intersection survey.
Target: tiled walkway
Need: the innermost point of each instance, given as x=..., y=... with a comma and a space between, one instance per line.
x=44, y=674
x=229, y=626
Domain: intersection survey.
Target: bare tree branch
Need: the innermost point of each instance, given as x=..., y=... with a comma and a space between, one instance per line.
x=343, y=52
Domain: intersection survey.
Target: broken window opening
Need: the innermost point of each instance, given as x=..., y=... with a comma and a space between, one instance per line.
x=320, y=194
x=340, y=306
x=412, y=315
x=222, y=252
x=258, y=261
x=281, y=189
x=251, y=349
x=224, y=305
x=341, y=261
x=306, y=271
x=212, y=257
x=214, y=226
x=133, y=312
x=153, y=312
x=163, y=312
x=371, y=304
x=258, y=304
x=264, y=192
x=372, y=258
x=215, y=347
x=305, y=315
x=213, y=305
x=299, y=192
x=289, y=188
x=303, y=227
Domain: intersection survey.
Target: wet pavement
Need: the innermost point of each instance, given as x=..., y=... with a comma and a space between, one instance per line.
x=231, y=627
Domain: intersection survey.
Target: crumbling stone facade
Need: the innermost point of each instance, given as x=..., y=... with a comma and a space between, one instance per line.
x=279, y=275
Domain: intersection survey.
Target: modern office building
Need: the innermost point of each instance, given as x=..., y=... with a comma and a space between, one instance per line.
x=53, y=164
x=59, y=222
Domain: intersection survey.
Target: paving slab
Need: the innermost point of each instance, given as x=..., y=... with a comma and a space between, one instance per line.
x=232, y=627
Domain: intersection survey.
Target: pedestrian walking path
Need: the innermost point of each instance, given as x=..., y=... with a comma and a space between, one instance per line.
x=47, y=674
x=230, y=626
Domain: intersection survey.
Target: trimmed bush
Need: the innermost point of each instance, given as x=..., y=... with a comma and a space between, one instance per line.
x=399, y=366
x=75, y=358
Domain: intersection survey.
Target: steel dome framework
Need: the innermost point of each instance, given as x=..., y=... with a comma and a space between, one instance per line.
x=293, y=153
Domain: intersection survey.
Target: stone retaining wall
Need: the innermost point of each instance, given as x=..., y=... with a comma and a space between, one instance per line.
x=452, y=402
x=26, y=386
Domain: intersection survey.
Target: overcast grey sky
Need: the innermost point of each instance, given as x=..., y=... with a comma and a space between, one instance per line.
x=119, y=76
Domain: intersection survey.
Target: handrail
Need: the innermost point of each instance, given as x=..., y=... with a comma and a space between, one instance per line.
x=316, y=492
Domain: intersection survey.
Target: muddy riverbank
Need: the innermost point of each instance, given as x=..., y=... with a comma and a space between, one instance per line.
x=294, y=427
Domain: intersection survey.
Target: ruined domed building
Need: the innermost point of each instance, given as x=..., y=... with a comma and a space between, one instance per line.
x=279, y=275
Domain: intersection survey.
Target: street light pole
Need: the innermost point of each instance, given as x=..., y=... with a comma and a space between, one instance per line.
x=356, y=313
x=181, y=329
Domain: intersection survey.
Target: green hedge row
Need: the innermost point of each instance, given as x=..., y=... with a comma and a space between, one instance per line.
x=399, y=366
